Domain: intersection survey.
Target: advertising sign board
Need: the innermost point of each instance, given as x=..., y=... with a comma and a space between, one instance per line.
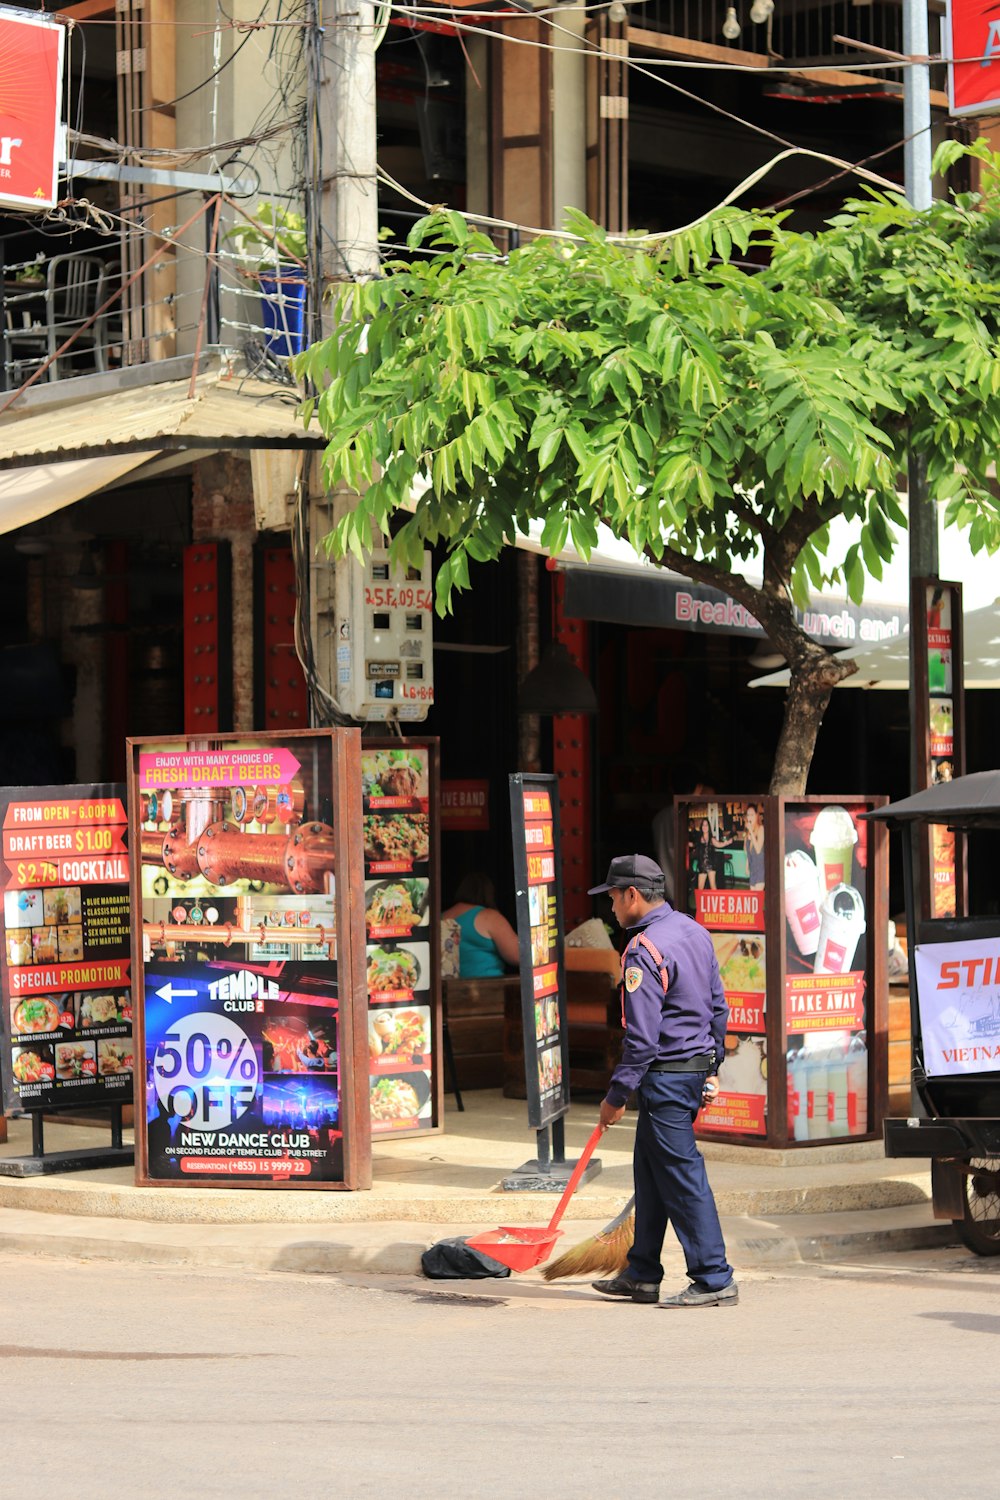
x=725, y=842
x=64, y=971
x=402, y=920
x=250, y=1003
x=972, y=44
x=534, y=809
x=31, y=73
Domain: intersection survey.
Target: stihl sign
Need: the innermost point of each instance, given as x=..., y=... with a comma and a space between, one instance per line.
x=31, y=69
x=973, y=48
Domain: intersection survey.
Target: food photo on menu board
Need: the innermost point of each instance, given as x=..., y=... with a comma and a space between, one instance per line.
x=396, y=908
x=396, y=842
x=394, y=777
x=826, y=954
x=397, y=970
x=67, y=1000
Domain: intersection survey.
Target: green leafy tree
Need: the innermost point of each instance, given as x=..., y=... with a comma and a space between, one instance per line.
x=708, y=414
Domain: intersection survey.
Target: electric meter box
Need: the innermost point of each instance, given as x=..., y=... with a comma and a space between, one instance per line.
x=385, y=638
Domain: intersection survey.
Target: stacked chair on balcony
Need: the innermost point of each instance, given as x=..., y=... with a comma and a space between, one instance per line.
x=72, y=293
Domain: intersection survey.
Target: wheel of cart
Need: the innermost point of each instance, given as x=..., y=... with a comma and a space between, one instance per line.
x=979, y=1225
x=954, y=966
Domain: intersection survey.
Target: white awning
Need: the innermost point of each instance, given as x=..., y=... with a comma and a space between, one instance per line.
x=887, y=665
x=27, y=495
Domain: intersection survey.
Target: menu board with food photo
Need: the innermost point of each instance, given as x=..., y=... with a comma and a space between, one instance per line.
x=66, y=996
x=826, y=881
x=725, y=844
x=942, y=721
x=252, y=1055
x=398, y=782
x=534, y=803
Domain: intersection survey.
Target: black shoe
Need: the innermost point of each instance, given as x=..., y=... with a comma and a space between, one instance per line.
x=699, y=1296
x=624, y=1286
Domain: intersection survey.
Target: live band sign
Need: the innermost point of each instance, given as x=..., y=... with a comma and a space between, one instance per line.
x=31, y=72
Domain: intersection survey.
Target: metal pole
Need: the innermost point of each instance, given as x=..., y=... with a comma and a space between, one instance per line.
x=37, y=1133
x=924, y=562
x=917, y=106
x=542, y=1149
x=559, y=1140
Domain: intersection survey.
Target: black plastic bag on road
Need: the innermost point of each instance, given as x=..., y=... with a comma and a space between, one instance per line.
x=455, y=1260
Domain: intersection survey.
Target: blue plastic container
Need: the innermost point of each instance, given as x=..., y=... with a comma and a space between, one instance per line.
x=283, y=305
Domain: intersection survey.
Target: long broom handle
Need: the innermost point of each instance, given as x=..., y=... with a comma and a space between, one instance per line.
x=578, y=1172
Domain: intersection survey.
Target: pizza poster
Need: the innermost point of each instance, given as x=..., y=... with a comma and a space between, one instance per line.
x=400, y=957
x=65, y=966
x=725, y=843
x=534, y=806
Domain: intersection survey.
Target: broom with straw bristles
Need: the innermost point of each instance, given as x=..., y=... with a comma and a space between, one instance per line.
x=605, y=1251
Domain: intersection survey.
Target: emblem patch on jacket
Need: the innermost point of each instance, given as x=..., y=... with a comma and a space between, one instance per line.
x=633, y=979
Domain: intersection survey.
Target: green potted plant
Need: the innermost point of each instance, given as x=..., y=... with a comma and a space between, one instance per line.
x=280, y=234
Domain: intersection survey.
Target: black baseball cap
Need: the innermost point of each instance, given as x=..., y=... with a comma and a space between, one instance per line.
x=629, y=869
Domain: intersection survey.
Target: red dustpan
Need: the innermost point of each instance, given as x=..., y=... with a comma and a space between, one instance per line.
x=522, y=1249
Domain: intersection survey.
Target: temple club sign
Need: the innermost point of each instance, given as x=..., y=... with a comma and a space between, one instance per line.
x=31, y=70
x=973, y=34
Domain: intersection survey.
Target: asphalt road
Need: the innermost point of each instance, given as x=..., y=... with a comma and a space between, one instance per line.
x=875, y=1379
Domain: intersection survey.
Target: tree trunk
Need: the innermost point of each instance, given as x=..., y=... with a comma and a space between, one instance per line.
x=805, y=704
x=814, y=673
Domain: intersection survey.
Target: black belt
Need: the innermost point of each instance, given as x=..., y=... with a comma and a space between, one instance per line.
x=701, y=1064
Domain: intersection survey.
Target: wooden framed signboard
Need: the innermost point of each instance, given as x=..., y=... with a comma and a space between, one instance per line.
x=248, y=956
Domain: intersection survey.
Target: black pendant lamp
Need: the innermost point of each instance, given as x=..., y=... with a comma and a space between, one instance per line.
x=557, y=686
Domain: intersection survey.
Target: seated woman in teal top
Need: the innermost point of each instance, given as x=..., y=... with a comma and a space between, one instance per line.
x=488, y=941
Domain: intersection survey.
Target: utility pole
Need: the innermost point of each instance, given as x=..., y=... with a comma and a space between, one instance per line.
x=923, y=526
x=344, y=239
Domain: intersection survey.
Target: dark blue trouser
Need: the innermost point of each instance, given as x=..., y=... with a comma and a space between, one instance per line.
x=671, y=1185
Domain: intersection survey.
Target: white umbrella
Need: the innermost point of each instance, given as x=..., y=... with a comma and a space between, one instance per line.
x=887, y=663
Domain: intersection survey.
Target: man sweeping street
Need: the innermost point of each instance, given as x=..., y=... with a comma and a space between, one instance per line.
x=675, y=1016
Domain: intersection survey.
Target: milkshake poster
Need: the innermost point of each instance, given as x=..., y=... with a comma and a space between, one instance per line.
x=726, y=843
x=825, y=880
x=243, y=1051
x=65, y=986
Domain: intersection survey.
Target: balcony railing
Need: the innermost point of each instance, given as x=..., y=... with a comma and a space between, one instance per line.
x=76, y=312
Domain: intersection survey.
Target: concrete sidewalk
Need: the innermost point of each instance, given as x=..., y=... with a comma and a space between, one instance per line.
x=829, y=1201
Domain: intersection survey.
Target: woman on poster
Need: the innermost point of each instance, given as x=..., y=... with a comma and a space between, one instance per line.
x=706, y=851
x=753, y=844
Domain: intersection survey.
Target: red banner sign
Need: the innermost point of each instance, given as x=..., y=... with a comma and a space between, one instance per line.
x=824, y=1002
x=51, y=979
x=31, y=69
x=730, y=911
x=68, y=814
x=746, y=1013
x=973, y=31
x=736, y=1114
x=465, y=806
